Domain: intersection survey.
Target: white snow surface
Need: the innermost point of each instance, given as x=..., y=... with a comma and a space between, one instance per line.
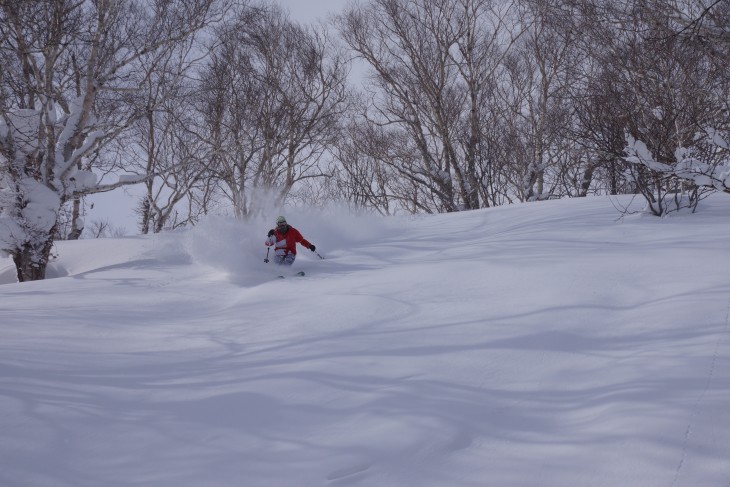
x=544, y=344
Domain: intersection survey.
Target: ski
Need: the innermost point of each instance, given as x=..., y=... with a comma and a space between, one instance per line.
x=300, y=273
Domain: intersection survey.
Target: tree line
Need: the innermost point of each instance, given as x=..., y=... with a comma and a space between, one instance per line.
x=418, y=106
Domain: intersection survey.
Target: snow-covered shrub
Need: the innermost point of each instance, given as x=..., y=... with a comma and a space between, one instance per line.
x=694, y=173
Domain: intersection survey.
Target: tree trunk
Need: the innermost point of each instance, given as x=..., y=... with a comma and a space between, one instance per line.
x=585, y=183
x=31, y=261
x=77, y=226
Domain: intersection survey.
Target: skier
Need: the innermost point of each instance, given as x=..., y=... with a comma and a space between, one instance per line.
x=284, y=239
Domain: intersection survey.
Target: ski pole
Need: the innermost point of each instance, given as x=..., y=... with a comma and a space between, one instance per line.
x=266, y=260
x=319, y=255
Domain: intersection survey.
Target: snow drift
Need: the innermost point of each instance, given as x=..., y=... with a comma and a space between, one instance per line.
x=542, y=344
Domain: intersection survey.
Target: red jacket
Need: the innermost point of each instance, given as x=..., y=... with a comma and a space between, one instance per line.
x=286, y=242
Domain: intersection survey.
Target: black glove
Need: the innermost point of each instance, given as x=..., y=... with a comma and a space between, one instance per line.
x=312, y=248
x=271, y=232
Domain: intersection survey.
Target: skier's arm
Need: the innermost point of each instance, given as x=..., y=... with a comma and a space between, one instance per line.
x=307, y=244
x=271, y=239
x=303, y=241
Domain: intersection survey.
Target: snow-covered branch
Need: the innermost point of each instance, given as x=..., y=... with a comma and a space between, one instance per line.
x=690, y=164
x=123, y=180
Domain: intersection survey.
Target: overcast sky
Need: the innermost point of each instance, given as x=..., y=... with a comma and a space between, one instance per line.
x=309, y=10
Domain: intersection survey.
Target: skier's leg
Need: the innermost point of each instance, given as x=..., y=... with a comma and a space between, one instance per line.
x=286, y=259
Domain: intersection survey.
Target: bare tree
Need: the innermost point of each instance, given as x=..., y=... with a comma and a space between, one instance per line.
x=704, y=21
x=104, y=229
x=648, y=92
x=273, y=95
x=370, y=157
x=536, y=112
x=166, y=143
x=432, y=74
x=71, y=76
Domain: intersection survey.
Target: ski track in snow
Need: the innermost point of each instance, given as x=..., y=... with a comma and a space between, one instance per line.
x=541, y=344
x=696, y=411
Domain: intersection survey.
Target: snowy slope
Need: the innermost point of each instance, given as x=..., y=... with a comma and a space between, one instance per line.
x=547, y=344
